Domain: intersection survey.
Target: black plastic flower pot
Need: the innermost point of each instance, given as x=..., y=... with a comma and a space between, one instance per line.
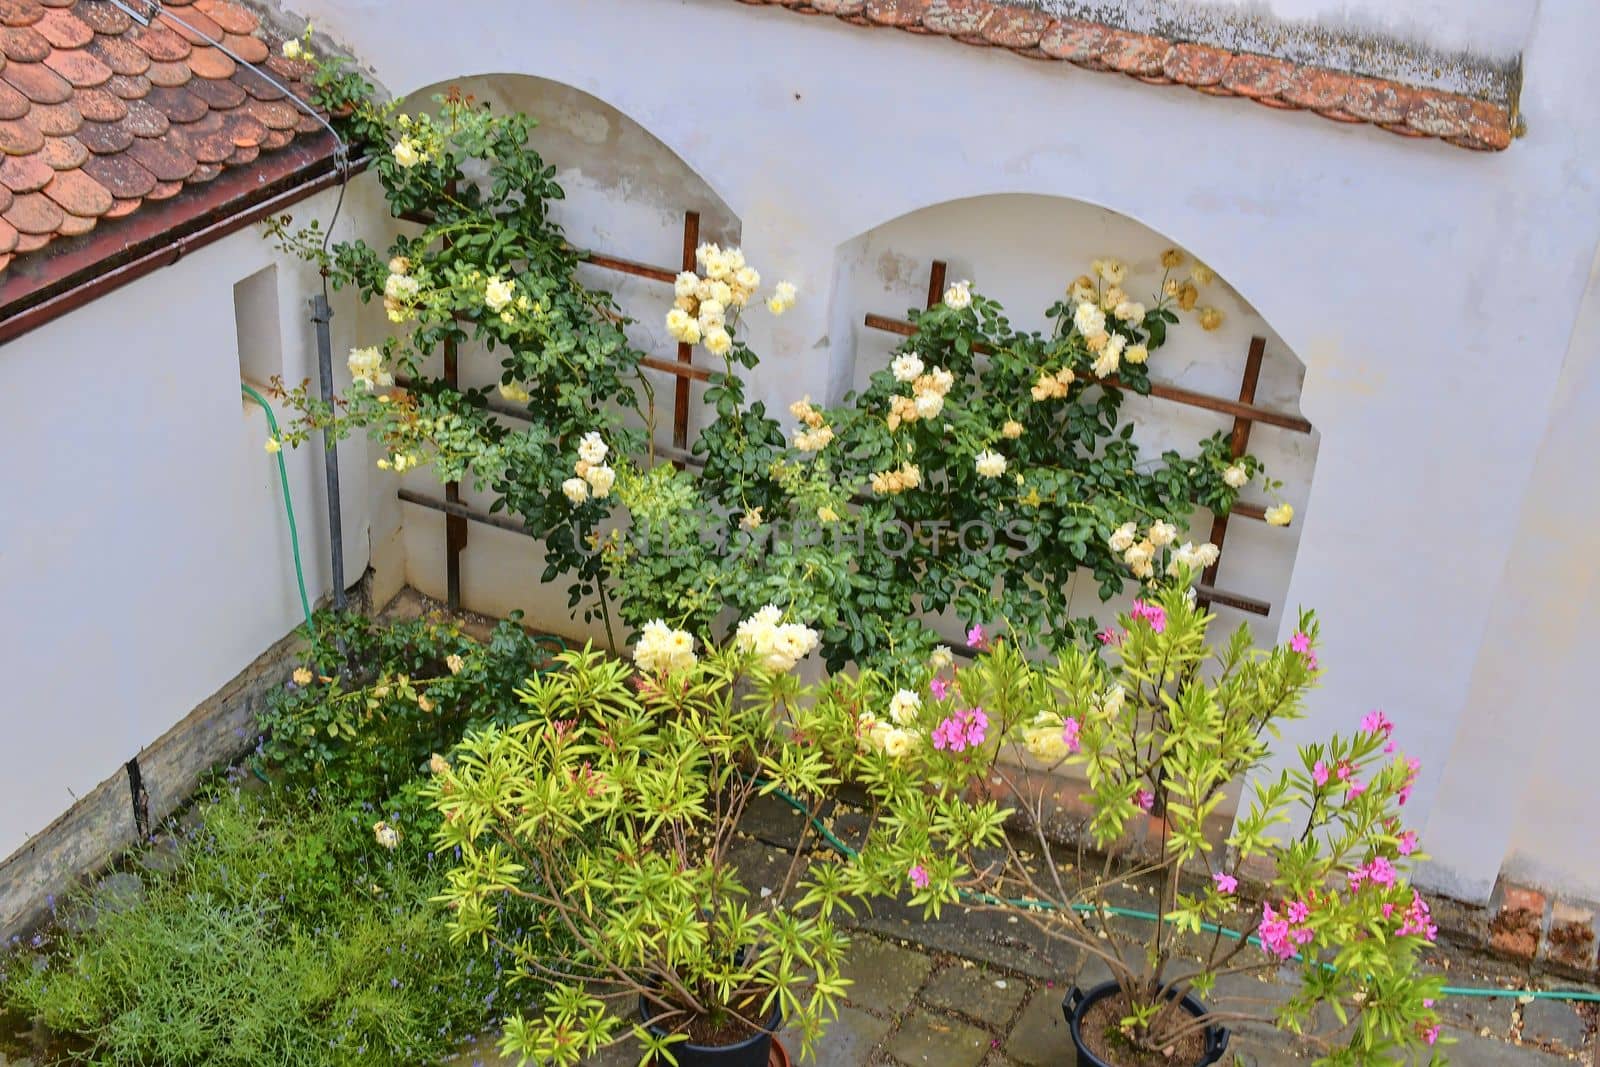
x=1077, y=1002
x=753, y=1051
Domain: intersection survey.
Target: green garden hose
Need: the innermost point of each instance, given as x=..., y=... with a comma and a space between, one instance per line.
x=1150, y=916
x=288, y=508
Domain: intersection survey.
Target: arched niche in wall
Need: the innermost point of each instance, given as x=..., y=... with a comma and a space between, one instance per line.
x=626, y=197
x=1024, y=250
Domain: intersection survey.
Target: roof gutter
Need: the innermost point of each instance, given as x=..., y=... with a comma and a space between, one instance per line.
x=118, y=256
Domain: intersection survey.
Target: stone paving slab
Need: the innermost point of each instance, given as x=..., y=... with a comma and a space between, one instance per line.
x=976, y=992
x=925, y=1039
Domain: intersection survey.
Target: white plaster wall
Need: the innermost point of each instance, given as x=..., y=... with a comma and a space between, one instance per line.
x=144, y=558
x=1531, y=707
x=1410, y=278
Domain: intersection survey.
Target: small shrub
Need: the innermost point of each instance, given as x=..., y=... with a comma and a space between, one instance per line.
x=284, y=934
x=377, y=699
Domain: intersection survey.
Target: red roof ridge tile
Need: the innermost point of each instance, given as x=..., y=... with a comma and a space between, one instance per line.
x=1341, y=96
x=99, y=114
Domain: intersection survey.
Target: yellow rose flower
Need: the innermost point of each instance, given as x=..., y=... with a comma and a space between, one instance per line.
x=1171, y=258
x=273, y=445
x=1281, y=515
x=1210, y=318
x=302, y=676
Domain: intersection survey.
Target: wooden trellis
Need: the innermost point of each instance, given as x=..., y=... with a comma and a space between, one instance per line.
x=1245, y=414
x=1244, y=410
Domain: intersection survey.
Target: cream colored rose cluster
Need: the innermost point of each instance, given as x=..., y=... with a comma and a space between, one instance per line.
x=419, y=143
x=663, y=650
x=928, y=390
x=702, y=305
x=1094, y=301
x=1187, y=293
x=887, y=483
x=816, y=434
x=1139, y=553
x=778, y=644
x=593, y=477
x=897, y=737
x=400, y=291
x=366, y=368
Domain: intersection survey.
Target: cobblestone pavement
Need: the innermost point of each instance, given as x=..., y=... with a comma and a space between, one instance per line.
x=974, y=990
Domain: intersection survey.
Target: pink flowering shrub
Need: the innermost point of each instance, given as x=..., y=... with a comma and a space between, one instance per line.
x=1161, y=722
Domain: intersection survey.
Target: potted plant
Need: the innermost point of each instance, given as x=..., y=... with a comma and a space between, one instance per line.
x=1161, y=724
x=615, y=808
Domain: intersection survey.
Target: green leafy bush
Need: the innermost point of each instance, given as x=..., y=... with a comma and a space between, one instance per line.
x=377, y=699
x=283, y=933
x=613, y=809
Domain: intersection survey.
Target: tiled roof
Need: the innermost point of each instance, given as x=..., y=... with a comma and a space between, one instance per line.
x=1407, y=110
x=100, y=115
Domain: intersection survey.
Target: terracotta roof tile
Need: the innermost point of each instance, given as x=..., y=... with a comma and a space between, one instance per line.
x=23, y=45
x=20, y=12
x=1409, y=111
x=212, y=63
x=64, y=153
x=64, y=29
x=13, y=105
x=20, y=138
x=81, y=69
x=103, y=17
x=122, y=176
x=169, y=75
x=55, y=120
x=129, y=87
x=37, y=82
x=179, y=105
x=100, y=115
x=1011, y=27
x=34, y=214
x=26, y=174
x=230, y=16
x=159, y=43
x=120, y=55
x=75, y=225
x=100, y=105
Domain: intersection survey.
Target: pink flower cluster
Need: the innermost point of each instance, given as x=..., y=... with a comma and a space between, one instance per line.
x=1109, y=636
x=939, y=688
x=1069, y=734
x=1226, y=883
x=1282, y=935
x=962, y=730
x=1408, y=842
x=919, y=876
x=976, y=637
x=1379, y=872
x=1145, y=800
x=1154, y=614
x=1418, y=919
x=1376, y=722
x=1413, y=766
x=1301, y=643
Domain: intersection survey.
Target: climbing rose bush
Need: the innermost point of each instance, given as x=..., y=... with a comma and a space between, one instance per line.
x=1160, y=722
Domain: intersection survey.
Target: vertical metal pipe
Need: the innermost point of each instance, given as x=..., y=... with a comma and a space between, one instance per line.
x=322, y=315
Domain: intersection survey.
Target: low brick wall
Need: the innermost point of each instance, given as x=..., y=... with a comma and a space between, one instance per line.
x=102, y=825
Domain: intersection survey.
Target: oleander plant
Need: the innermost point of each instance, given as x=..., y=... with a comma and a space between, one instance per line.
x=1160, y=720
x=614, y=810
